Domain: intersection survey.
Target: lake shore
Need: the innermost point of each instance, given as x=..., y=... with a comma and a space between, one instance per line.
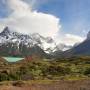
x=13, y=59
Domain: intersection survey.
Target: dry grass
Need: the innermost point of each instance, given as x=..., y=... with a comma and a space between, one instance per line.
x=52, y=85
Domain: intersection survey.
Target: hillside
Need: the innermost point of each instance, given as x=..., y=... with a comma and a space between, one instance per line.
x=81, y=49
x=13, y=43
x=41, y=69
x=40, y=74
x=3, y=62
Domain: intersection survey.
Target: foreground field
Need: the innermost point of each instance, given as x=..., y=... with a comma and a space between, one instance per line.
x=41, y=74
x=74, y=68
x=45, y=85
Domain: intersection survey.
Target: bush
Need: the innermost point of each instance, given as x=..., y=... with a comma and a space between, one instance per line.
x=18, y=83
x=3, y=77
x=87, y=71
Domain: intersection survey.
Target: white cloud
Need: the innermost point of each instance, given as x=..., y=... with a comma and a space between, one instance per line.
x=71, y=39
x=25, y=20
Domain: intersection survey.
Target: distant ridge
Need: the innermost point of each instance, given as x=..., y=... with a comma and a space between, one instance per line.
x=82, y=49
x=13, y=43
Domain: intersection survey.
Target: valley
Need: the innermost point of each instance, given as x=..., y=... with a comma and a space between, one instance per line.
x=73, y=68
x=40, y=74
x=34, y=62
x=44, y=45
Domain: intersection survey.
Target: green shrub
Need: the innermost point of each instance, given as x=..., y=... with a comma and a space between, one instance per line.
x=87, y=71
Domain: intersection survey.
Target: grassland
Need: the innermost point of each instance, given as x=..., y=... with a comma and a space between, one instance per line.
x=74, y=68
x=46, y=85
x=40, y=74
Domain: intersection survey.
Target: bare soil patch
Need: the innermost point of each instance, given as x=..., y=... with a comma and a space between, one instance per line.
x=58, y=85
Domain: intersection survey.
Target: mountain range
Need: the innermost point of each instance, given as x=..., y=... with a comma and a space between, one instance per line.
x=82, y=49
x=13, y=43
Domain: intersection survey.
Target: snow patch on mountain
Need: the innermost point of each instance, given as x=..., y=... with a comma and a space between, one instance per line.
x=45, y=43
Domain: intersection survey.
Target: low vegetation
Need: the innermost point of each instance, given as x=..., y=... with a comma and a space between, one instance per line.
x=74, y=68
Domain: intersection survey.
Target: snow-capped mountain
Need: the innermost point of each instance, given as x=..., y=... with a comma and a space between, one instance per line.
x=81, y=49
x=88, y=36
x=17, y=41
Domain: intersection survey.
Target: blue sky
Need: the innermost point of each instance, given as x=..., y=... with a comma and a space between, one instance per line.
x=74, y=17
x=74, y=14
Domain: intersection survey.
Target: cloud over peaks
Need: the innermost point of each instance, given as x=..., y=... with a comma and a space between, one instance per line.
x=25, y=20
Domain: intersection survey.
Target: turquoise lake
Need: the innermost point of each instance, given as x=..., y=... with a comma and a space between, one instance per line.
x=12, y=59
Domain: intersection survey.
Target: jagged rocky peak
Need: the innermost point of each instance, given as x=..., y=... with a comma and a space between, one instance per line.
x=49, y=40
x=8, y=33
x=88, y=36
x=47, y=44
x=6, y=30
x=36, y=36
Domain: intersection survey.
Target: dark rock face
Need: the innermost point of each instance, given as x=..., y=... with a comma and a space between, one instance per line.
x=17, y=44
x=81, y=49
x=13, y=43
x=88, y=36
